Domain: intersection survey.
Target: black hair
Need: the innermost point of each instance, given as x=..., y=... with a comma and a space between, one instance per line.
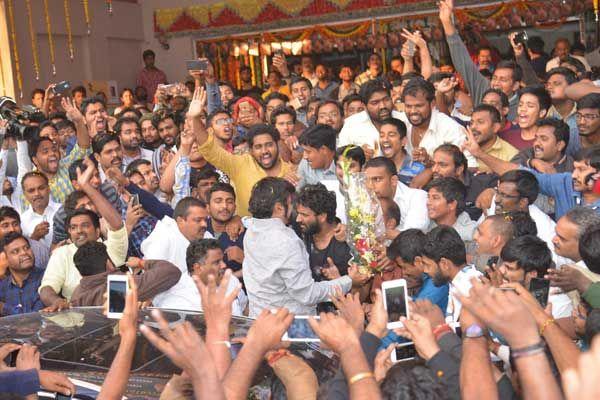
x=384, y=162
x=206, y=172
x=220, y=187
x=439, y=76
x=444, y=242
x=457, y=155
x=351, y=98
x=35, y=144
x=400, y=125
x=11, y=237
x=82, y=167
x=591, y=100
x=266, y=193
x=319, y=200
x=419, y=85
x=409, y=76
x=89, y=101
x=561, y=129
x=591, y=154
x=182, y=208
x=9, y=212
x=529, y=252
x=46, y=124
x=79, y=89
x=592, y=326
x=37, y=91
x=102, y=140
x=197, y=250
x=536, y=44
x=147, y=53
x=276, y=96
x=318, y=136
x=589, y=248
x=133, y=168
x=65, y=124
x=262, y=129
x=391, y=210
x=297, y=79
x=283, y=110
x=58, y=115
x=82, y=211
x=491, y=110
x=212, y=115
x=527, y=185
x=159, y=117
x=568, y=74
x=323, y=103
x=125, y=120
x=521, y=222
x=90, y=258
x=138, y=113
x=544, y=99
x=407, y=245
x=503, y=97
x=410, y=381
x=33, y=174
x=517, y=72
x=72, y=199
x=452, y=189
x=368, y=89
x=352, y=152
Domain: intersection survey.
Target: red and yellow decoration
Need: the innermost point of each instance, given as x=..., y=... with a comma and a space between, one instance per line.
x=32, y=36
x=13, y=39
x=69, y=29
x=50, y=37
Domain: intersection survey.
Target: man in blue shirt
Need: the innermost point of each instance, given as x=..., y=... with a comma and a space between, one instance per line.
x=19, y=289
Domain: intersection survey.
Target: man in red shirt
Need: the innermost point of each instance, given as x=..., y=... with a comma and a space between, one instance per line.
x=150, y=77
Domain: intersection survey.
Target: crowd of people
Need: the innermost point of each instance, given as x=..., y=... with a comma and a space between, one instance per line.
x=231, y=201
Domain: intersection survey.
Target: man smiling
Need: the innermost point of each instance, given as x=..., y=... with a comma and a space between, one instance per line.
x=317, y=163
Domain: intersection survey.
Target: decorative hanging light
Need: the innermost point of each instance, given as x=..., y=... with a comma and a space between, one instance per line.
x=36, y=60
x=13, y=37
x=86, y=14
x=50, y=37
x=69, y=30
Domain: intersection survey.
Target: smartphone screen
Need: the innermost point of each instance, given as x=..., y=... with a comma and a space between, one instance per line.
x=540, y=289
x=117, y=291
x=13, y=359
x=395, y=302
x=301, y=330
x=62, y=87
x=135, y=199
x=197, y=65
x=405, y=352
x=62, y=397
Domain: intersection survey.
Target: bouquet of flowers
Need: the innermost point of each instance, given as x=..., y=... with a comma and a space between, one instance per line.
x=365, y=228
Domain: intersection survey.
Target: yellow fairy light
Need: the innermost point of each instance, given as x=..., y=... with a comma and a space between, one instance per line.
x=50, y=38
x=13, y=37
x=36, y=60
x=86, y=13
x=69, y=31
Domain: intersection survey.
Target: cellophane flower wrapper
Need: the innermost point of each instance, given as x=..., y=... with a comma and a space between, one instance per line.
x=365, y=226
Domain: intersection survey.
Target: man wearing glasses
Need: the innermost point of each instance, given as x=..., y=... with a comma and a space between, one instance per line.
x=588, y=120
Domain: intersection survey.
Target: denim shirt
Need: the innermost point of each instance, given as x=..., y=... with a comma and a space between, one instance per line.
x=24, y=299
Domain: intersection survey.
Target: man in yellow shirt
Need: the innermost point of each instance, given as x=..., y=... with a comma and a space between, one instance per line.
x=244, y=170
x=485, y=125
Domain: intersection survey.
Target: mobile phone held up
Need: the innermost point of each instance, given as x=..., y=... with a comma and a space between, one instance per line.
x=197, y=65
x=117, y=288
x=404, y=352
x=135, y=199
x=61, y=87
x=395, y=301
x=540, y=289
x=300, y=330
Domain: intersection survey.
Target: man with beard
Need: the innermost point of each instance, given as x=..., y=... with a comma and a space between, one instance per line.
x=96, y=117
x=18, y=290
x=167, y=125
x=276, y=266
x=149, y=181
x=61, y=276
x=221, y=209
x=427, y=127
x=37, y=219
x=588, y=119
x=129, y=133
x=445, y=261
x=315, y=208
x=563, y=108
x=330, y=112
x=150, y=137
x=244, y=170
x=362, y=129
x=484, y=128
x=108, y=153
x=325, y=89
x=527, y=257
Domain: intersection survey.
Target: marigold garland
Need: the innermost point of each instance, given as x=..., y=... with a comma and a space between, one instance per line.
x=36, y=60
x=86, y=14
x=69, y=31
x=50, y=37
x=13, y=36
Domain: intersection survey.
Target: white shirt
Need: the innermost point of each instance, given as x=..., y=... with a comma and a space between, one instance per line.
x=413, y=207
x=358, y=129
x=555, y=62
x=166, y=242
x=30, y=219
x=144, y=154
x=194, y=302
x=442, y=129
x=460, y=284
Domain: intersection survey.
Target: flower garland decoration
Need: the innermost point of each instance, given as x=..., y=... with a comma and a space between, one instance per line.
x=109, y=7
x=365, y=224
x=86, y=14
x=13, y=37
x=69, y=31
x=36, y=60
x=50, y=37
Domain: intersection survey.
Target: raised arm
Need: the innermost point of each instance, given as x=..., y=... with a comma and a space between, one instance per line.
x=73, y=113
x=105, y=209
x=421, y=44
x=582, y=88
x=497, y=165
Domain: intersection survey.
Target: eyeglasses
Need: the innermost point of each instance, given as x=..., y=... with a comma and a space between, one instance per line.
x=588, y=117
x=223, y=121
x=506, y=196
x=333, y=114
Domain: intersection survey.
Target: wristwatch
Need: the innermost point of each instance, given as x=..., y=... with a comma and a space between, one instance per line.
x=474, y=331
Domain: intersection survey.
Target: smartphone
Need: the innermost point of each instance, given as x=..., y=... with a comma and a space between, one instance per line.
x=411, y=48
x=116, y=287
x=61, y=87
x=62, y=397
x=404, y=352
x=395, y=301
x=197, y=65
x=540, y=289
x=135, y=199
x=295, y=103
x=13, y=358
x=300, y=330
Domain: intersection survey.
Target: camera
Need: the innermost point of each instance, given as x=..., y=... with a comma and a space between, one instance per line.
x=521, y=38
x=18, y=119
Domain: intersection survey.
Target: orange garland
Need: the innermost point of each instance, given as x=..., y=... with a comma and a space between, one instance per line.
x=36, y=61
x=50, y=37
x=69, y=31
x=13, y=36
